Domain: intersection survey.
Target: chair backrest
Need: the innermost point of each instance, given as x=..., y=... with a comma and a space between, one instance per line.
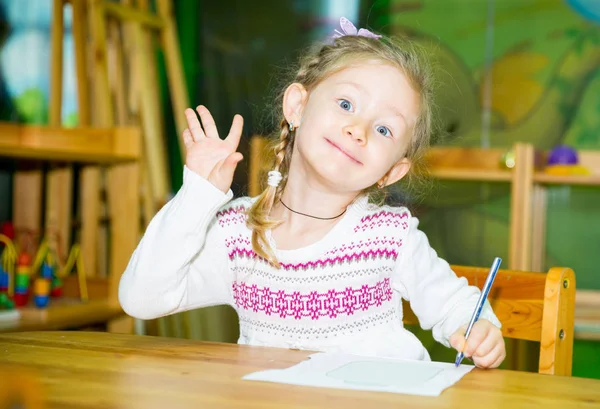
x=531, y=306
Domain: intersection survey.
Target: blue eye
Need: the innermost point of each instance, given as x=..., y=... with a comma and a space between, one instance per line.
x=345, y=104
x=383, y=131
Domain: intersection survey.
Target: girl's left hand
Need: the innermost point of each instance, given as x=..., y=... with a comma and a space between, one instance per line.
x=485, y=345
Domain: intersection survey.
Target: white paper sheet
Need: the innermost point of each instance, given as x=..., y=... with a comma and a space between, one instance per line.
x=344, y=371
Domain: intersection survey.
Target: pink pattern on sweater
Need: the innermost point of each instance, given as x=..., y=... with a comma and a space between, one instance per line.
x=319, y=263
x=367, y=243
x=314, y=304
x=383, y=217
x=232, y=216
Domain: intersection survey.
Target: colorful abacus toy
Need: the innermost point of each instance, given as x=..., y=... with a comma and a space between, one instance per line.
x=26, y=280
x=8, y=260
x=23, y=271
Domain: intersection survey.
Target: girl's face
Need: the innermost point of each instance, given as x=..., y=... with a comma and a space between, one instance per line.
x=355, y=127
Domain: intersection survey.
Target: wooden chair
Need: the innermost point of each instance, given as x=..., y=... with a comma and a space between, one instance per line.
x=531, y=306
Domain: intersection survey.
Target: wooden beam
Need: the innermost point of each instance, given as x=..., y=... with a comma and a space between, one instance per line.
x=92, y=145
x=154, y=143
x=129, y=13
x=89, y=186
x=175, y=76
x=59, y=179
x=521, y=208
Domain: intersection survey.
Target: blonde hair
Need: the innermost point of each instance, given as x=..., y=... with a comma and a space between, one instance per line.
x=315, y=67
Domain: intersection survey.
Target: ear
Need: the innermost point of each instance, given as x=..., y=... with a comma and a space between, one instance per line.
x=294, y=99
x=397, y=172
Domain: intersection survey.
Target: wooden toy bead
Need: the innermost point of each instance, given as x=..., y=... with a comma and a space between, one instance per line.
x=3, y=280
x=5, y=302
x=20, y=299
x=24, y=259
x=41, y=301
x=57, y=286
x=23, y=270
x=47, y=271
x=41, y=286
x=22, y=281
x=56, y=292
x=8, y=229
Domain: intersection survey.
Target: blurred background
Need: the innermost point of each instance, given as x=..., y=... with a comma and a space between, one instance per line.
x=508, y=71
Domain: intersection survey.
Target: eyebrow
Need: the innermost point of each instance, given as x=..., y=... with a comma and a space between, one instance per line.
x=364, y=89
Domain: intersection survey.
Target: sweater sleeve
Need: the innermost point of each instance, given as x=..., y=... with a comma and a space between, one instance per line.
x=181, y=261
x=441, y=301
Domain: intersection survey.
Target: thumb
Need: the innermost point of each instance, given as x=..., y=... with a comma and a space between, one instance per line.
x=231, y=161
x=458, y=341
x=226, y=168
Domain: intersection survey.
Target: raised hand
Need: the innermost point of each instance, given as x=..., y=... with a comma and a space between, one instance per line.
x=211, y=157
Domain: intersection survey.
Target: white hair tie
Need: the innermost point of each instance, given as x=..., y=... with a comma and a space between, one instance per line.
x=274, y=178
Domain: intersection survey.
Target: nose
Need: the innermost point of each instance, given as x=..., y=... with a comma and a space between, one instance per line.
x=356, y=132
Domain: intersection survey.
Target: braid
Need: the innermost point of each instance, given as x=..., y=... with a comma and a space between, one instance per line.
x=258, y=214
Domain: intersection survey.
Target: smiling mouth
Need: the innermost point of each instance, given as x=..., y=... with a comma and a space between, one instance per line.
x=352, y=158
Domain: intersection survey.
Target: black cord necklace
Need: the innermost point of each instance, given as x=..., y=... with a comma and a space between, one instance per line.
x=308, y=215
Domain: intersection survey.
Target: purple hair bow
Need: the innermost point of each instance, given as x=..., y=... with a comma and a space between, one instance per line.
x=350, y=29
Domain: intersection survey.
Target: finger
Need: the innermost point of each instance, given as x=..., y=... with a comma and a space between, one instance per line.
x=476, y=337
x=194, y=125
x=188, y=140
x=235, y=133
x=487, y=361
x=208, y=123
x=486, y=346
x=499, y=361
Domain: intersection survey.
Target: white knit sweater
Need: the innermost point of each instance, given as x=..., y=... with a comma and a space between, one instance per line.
x=342, y=293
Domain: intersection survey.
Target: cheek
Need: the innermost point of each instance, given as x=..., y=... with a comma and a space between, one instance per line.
x=383, y=150
x=314, y=128
x=382, y=157
x=318, y=116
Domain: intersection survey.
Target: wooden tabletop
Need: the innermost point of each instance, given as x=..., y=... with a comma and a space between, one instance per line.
x=101, y=370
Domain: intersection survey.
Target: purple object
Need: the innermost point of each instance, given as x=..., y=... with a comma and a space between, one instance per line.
x=562, y=155
x=350, y=29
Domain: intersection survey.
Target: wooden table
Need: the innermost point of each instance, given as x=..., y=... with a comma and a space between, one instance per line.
x=102, y=370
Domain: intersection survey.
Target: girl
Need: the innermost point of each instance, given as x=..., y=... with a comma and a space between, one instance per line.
x=312, y=263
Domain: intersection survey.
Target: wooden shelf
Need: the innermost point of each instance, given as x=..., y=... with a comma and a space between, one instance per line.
x=499, y=175
x=586, y=180
x=93, y=145
x=483, y=165
x=476, y=175
x=97, y=287
x=63, y=314
x=469, y=164
x=67, y=311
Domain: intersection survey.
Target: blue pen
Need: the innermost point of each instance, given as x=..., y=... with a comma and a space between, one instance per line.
x=482, y=297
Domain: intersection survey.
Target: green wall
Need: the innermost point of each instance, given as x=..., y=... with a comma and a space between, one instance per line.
x=540, y=73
